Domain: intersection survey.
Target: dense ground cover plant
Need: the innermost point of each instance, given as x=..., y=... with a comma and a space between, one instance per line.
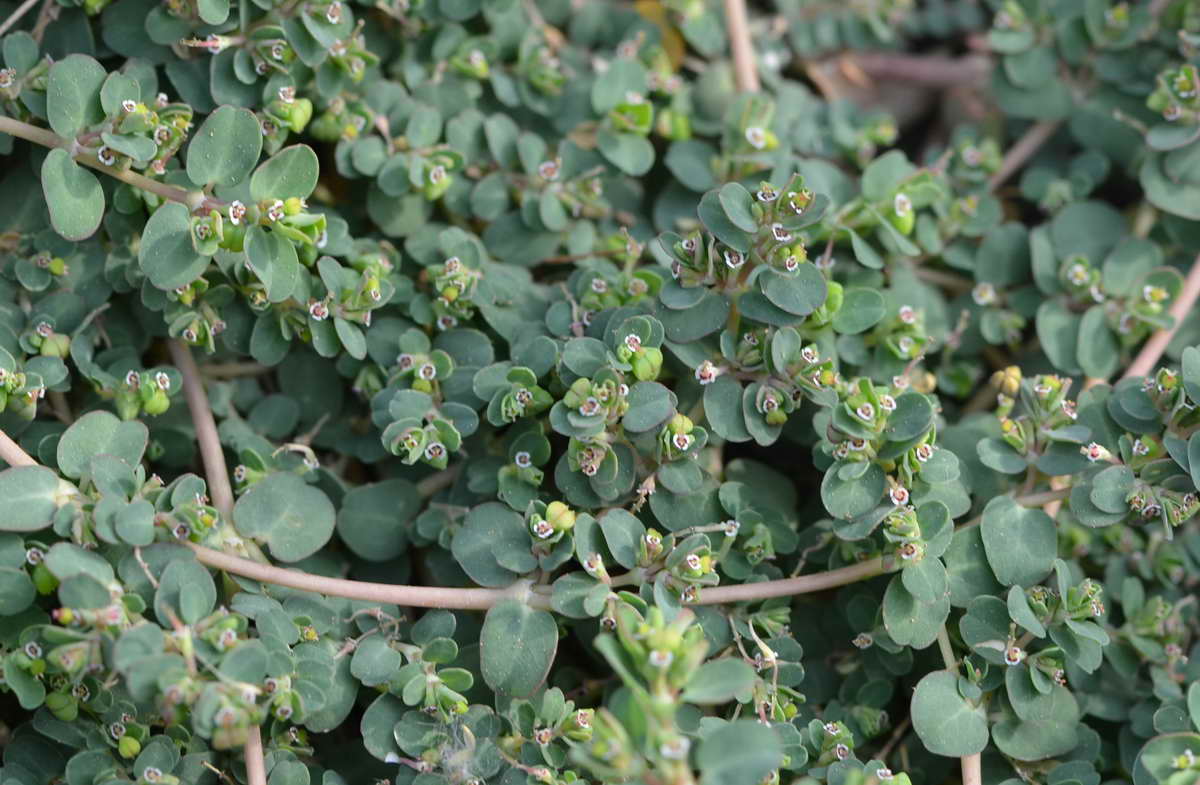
x=443, y=392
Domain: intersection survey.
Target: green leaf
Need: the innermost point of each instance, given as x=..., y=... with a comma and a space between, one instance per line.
x=74, y=196
x=739, y=753
x=273, y=259
x=16, y=589
x=623, y=534
x=166, y=254
x=225, y=147
x=73, y=95
x=946, y=722
x=720, y=681
x=861, y=310
x=1021, y=543
x=100, y=432
x=373, y=519
x=488, y=530
x=30, y=498
x=1160, y=755
x=724, y=410
x=650, y=404
x=1021, y=613
x=853, y=496
x=1193, y=704
x=293, y=518
x=1097, y=352
x=712, y=215
x=291, y=172
x=912, y=417
x=185, y=591
x=911, y=620
x=517, y=647
x=799, y=293
x=632, y=154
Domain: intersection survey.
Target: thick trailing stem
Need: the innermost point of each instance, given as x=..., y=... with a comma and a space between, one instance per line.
x=930, y=70
x=971, y=764
x=256, y=766
x=411, y=596
x=206, y=430
x=744, y=72
x=48, y=138
x=1025, y=148
x=12, y=453
x=16, y=15
x=1152, y=351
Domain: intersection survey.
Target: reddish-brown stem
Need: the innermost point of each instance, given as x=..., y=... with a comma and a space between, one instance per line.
x=1025, y=148
x=211, y=453
x=744, y=71
x=15, y=16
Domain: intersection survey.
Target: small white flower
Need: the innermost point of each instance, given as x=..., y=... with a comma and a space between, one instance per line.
x=437, y=174
x=523, y=460
x=660, y=658
x=543, y=529
x=548, y=170
x=902, y=205
x=677, y=748
x=318, y=310
x=731, y=527
x=734, y=259
x=275, y=211
x=887, y=403
x=128, y=105
x=899, y=495
x=984, y=294
x=427, y=372
x=162, y=380
x=866, y=412
x=237, y=211
x=1140, y=447
x=1095, y=452
x=908, y=314
x=106, y=156
x=707, y=373
x=434, y=451
x=633, y=343
x=1013, y=655
x=791, y=264
x=766, y=194
x=1077, y=274
x=780, y=234
x=692, y=561
x=757, y=137
x=333, y=14
x=689, y=244
x=810, y=354
x=863, y=640
x=682, y=441
x=599, y=285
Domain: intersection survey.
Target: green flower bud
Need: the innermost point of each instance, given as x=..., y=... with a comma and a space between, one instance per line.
x=129, y=747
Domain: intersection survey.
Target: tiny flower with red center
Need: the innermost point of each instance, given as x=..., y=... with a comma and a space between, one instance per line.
x=333, y=14
x=427, y=372
x=637, y=286
x=905, y=344
x=447, y=322
x=594, y=564
x=7, y=77
x=434, y=451
x=693, y=562
x=599, y=285
x=162, y=380
x=887, y=403
x=766, y=194
x=780, y=234
x=734, y=259
x=682, y=441
x=865, y=412
x=863, y=640
x=924, y=452
x=810, y=354
x=1068, y=408
x=106, y=156
x=622, y=389
x=984, y=294
x=857, y=445
x=287, y=94
x=884, y=774
x=275, y=211
x=660, y=658
x=689, y=244
x=907, y=314
x=237, y=212
x=523, y=460
x=791, y=264
x=542, y=529
x=181, y=531
x=841, y=751
x=757, y=137
x=543, y=736
x=32, y=650
x=1140, y=447
x=318, y=310
x=128, y=105
x=633, y=343
x=899, y=495
x=405, y=361
x=548, y=170
x=34, y=556
x=1013, y=655
x=731, y=527
x=227, y=638
x=116, y=729
x=277, y=51
x=1152, y=510
x=707, y=373
x=841, y=451
x=901, y=204
x=44, y=329
x=690, y=594
x=1095, y=452
x=909, y=551
x=590, y=407
x=524, y=397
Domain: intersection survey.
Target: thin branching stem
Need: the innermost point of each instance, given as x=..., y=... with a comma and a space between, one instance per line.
x=744, y=71
x=48, y=138
x=1025, y=148
x=15, y=16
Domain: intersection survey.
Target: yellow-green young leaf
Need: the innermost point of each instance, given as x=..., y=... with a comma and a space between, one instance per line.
x=29, y=498
x=225, y=148
x=73, y=95
x=945, y=721
x=1161, y=755
x=294, y=518
x=739, y=753
x=517, y=647
x=74, y=196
